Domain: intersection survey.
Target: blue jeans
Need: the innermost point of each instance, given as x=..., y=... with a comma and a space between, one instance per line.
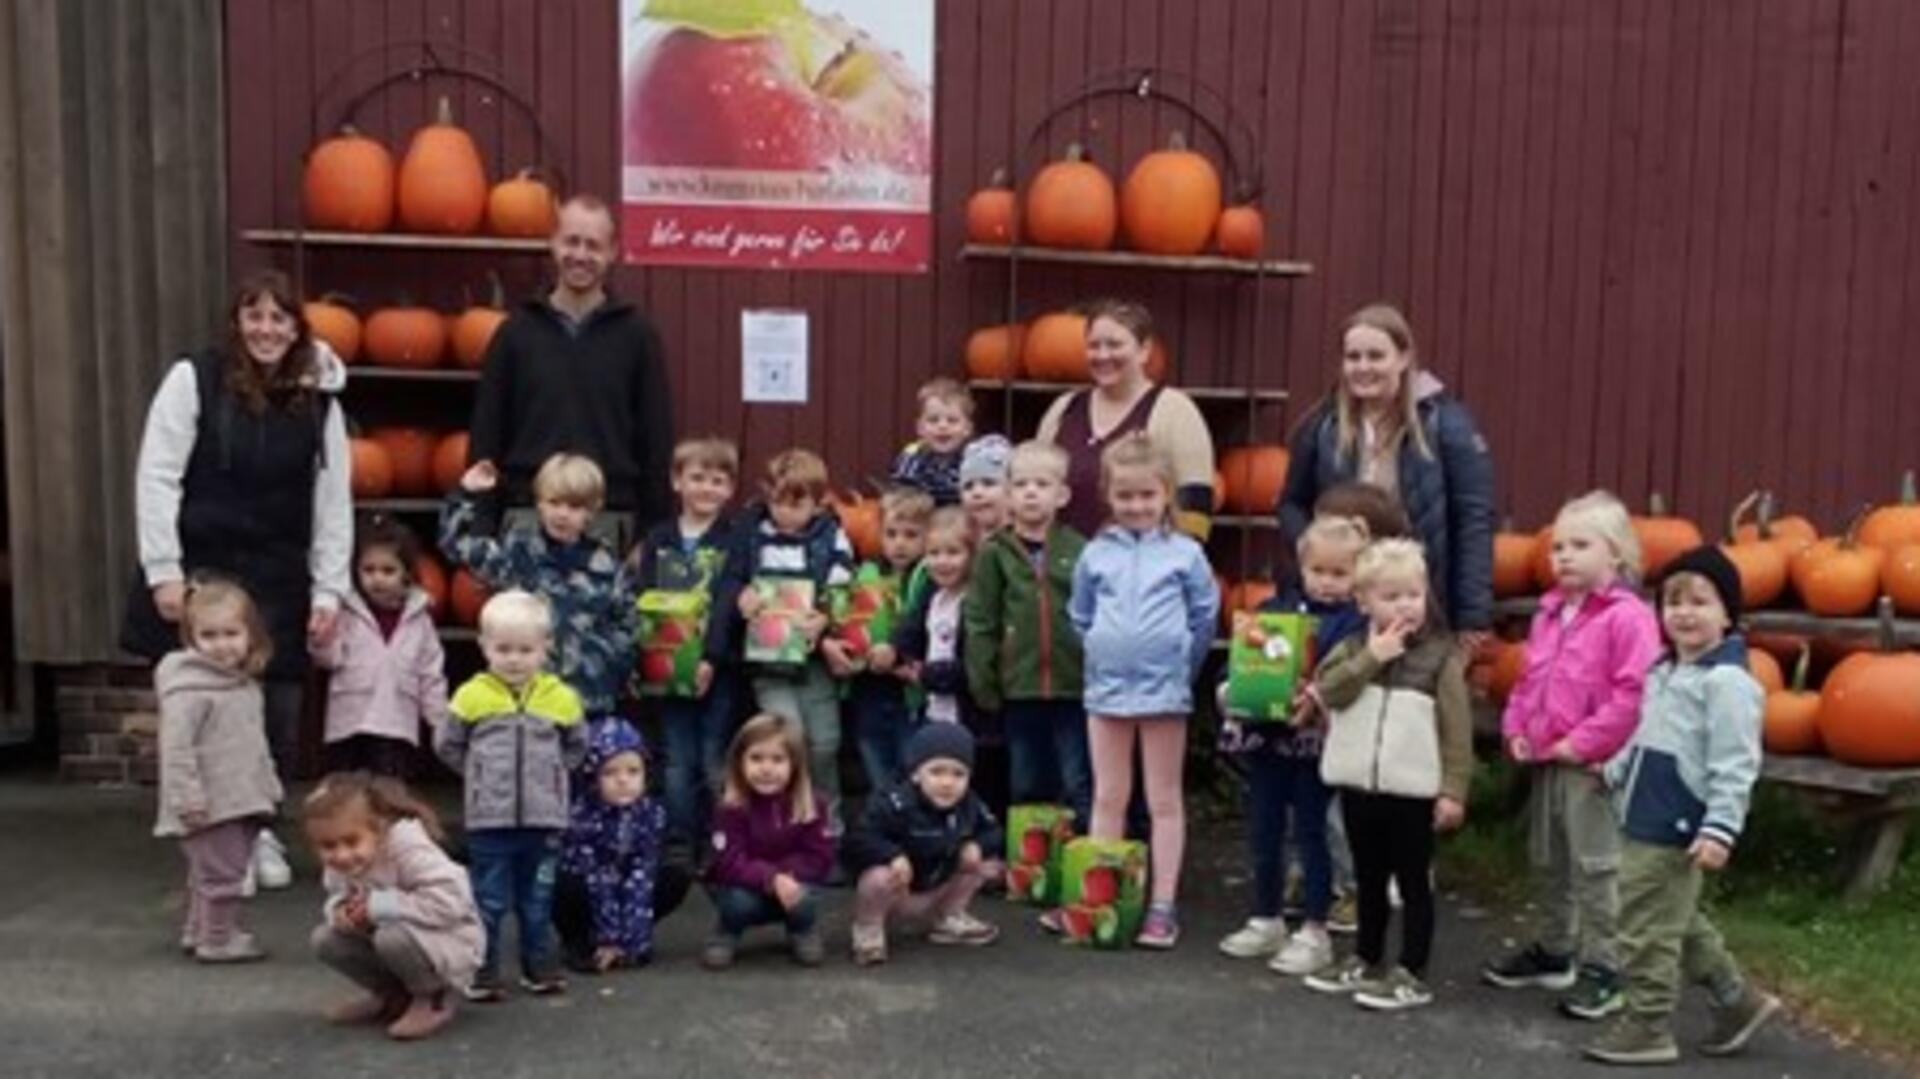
x=1279, y=789
x=1048, y=755
x=513, y=870
x=880, y=726
x=740, y=909
x=696, y=734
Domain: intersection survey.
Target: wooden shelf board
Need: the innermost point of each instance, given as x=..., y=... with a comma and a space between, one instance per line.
x=459, y=633
x=399, y=505
x=406, y=240
x=410, y=374
x=1229, y=520
x=1137, y=260
x=1198, y=393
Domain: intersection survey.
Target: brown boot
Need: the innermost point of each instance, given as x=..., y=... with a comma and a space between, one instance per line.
x=424, y=1017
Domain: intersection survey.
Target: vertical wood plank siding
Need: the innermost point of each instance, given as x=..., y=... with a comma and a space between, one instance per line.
x=1656, y=247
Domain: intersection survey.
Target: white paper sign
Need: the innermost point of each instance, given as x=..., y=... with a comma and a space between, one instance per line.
x=773, y=354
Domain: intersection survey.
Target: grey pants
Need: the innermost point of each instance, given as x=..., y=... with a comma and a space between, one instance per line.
x=217, y=858
x=813, y=701
x=1665, y=936
x=387, y=963
x=1575, y=847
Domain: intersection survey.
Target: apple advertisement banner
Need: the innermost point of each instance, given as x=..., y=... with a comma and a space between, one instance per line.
x=778, y=134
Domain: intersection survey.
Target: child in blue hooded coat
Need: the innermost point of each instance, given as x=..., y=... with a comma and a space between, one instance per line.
x=619, y=875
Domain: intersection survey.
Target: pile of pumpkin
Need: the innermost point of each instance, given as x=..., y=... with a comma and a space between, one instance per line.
x=1867, y=710
x=440, y=187
x=1169, y=204
x=407, y=334
x=406, y=462
x=454, y=600
x=1052, y=348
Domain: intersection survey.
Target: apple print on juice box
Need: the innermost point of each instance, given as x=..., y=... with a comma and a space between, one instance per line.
x=673, y=623
x=1268, y=659
x=775, y=637
x=1037, y=836
x=1105, y=891
x=865, y=612
x=786, y=134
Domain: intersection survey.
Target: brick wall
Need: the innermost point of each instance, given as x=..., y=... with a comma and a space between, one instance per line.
x=108, y=720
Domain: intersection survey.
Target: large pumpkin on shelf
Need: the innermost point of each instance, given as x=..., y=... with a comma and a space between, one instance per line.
x=1900, y=578
x=431, y=576
x=348, y=184
x=1254, y=476
x=472, y=330
x=1543, y=576
x=1246, y=595
x=1170, y=202
x=1496, y=668
x=990, y=212
x=1838, y=577
x=860, y=520
x=1159, y=366
x=442, y=184
x=1241, y=233
x=335, y=323
x=450, y=461
x=408, y=336
x=1791, y=533
x=1894, y=524
x=1071, y=203
x=466, y=596
x=522, y=206
x=1765, y=670
x=1513, y=563
x=1792, y=718
x=993, y=352
x=411, y=451
x=1761, y=562
x=1055, y=349
x=1870, y=710
x=370, y=469
x=1663, y=538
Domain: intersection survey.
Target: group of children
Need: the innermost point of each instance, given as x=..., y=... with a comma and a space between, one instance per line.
x=1074, y=650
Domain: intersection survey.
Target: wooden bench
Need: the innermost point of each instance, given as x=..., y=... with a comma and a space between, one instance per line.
x=1875, y=805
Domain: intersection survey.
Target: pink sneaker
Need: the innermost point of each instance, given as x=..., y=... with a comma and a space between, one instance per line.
x=1161, y=929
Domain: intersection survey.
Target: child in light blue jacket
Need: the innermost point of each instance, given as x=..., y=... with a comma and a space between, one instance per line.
x=1145, y=602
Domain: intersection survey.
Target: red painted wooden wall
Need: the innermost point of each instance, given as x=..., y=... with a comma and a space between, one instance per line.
x=1654, y=245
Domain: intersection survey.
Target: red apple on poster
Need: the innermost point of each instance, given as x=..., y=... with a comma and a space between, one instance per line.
x=779, y=89
x=1099, y=887
x=1033, y=845
x=770, y=632
x=656, y=668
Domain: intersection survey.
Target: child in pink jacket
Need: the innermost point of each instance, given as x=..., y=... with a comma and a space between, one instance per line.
x=1592, y=642
x=388, y=670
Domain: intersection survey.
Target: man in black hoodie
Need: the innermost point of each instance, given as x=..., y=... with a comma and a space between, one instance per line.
x=579, y=370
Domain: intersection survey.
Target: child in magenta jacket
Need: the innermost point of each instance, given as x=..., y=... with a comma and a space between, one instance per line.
x=1577, y=703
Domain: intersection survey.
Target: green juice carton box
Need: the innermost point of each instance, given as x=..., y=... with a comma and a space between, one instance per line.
x=673, y=633
x=1268, y=661
x=865, y=612
x=1037, y=837
x=1104, y=897
x=775, y=637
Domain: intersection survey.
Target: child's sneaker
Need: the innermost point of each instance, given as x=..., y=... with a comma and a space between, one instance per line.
x=1052, y=921
x=1343, y=977
x=423, y=1018
x=1308, y=950
x=961, y=927
x=869, y=945
x=239, y=947
x=485, y=988
x=543, y=982
x=1258, y=938
x=1630, y=1039
x=270, y=868
x=1161, y=930
x=1398, y=991
x=1735, y=1025
x=808, y=949
x=1595, y=994
x=1344, y=918
x=1531, y=966
x=718, y=952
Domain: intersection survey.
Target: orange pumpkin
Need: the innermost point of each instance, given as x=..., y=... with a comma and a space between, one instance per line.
x=1662, y=538
x=860, y=519
x=1513, y=563
x=411, y=451
x=1254, y=475
x=406, y=337
x=1219, y=492
x=450, y=461
x=522, y=206
x=466, y=597
x=1895, y=524
x=1792, y=723
x=473, y=329
x=1792, y=533
x=1761, y=562
x=1055, y=349
x=1543, y=576
x=1497, y=667
x=1870, y=710
x=336, y=324
x=1170, y=202
x=1765, y=670
x=993, y=352
x=443, y=186
x=1900, y=578
x=1247, y=595
x=990, y=212
x=1159, y=361
x=370, y=470
x=348, y=185
x=1071, y=203
x=431, y=576
x=1242, y=232
x=1838, y=577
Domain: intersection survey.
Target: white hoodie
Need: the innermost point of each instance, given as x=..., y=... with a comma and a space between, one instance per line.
x=173, y=421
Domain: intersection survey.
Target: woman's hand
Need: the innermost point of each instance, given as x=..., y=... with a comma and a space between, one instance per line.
x=480, y=479
x=320, y=626
x=170, y=599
